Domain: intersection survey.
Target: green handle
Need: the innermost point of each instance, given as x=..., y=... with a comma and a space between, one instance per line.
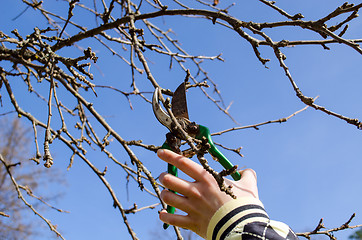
x=172, y=170
x=205, y=132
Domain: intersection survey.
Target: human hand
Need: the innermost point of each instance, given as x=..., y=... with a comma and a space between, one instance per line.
x=199, y=199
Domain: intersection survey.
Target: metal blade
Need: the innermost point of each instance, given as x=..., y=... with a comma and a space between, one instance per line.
x=179, y=103
x=160, y=114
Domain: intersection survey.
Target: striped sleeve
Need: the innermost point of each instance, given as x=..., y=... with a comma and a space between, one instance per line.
x=245, y=218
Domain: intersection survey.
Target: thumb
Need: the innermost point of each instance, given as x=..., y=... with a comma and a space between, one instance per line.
x=246, y=186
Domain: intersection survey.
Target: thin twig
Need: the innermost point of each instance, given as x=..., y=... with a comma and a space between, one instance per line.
x=256, y=126
x=329, y=232
x=21, y=197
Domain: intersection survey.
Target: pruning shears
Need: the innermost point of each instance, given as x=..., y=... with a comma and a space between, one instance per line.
x=173, y=138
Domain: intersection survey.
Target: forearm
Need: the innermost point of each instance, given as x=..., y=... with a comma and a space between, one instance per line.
x=246, y=218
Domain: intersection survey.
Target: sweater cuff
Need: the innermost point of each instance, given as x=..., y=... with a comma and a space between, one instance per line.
x=235, y=212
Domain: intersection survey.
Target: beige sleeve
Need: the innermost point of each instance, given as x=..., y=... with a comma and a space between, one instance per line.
x=245, y=218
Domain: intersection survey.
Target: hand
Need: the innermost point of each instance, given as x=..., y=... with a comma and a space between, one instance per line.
x=199, y=199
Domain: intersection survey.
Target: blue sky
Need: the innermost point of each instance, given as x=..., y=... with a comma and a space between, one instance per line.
x=308, y=168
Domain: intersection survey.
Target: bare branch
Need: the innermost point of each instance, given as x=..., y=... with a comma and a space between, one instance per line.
x=256, y=126
x=329, y=232
x=21, y=197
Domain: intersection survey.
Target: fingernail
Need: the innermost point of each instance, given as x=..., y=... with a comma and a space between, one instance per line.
x=163, y=210
x=160, y=152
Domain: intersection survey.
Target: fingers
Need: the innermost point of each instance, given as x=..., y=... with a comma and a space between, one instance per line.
x=176, y=184
x=175, y=200
x=186, y=165
x=175, y=220
x=188, y=222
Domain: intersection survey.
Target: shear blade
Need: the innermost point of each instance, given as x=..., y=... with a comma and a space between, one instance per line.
x=179, y=103
x=160, y=114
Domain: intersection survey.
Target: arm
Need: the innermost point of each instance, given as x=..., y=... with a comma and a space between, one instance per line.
x=212, y=214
